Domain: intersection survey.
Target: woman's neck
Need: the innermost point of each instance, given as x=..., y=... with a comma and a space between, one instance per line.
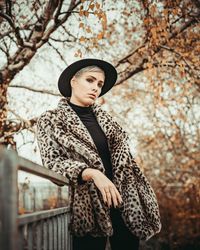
x=77, y=103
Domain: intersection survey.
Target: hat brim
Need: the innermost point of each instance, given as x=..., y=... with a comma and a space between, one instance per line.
x=64, y=85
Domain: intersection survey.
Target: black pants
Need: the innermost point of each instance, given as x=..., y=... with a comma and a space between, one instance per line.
x=122, y=238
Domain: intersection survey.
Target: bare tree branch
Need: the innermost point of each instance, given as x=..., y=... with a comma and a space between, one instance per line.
x=135, y=68
x=48, y=92
x=58, y=52
x=37, y=38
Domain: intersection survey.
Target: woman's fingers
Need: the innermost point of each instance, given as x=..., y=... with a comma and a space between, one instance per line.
x=108, y=190
x=104, y=195
x=109, y=198
x=118, y=195
x=117, y=199
x=114, y=197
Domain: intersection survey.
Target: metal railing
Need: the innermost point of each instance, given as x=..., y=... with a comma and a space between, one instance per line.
x=42, y=230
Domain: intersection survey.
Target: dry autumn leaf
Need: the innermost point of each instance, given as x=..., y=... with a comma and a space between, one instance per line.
x=81, y=25
x=81, y=12
x=86, y=13
x=82, y=39
x=91, y=6
x=21, y=210
x=104, y=21
x=100, y=35
x=97, y=5
x=88, y=30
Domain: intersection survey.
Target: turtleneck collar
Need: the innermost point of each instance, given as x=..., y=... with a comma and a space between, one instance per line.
x=64, y=103
x=80, y=109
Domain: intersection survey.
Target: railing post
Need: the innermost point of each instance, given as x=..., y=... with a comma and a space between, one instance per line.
x=8, y=199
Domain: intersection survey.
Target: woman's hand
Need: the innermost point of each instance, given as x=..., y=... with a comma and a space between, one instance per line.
x=107, y=188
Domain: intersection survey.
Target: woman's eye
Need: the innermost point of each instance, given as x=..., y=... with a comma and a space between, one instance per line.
x=89, y=80
x=100, y=85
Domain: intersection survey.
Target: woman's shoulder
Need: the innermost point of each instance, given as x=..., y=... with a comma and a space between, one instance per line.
x=106, y=114
x=112, y=120
x=47, y=116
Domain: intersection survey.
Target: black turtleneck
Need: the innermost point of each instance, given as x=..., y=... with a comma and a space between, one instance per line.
x=89, y=120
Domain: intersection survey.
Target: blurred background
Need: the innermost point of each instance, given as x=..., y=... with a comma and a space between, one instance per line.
x=155, y=47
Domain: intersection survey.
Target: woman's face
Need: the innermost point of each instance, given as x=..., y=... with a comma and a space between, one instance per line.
x=86, y=88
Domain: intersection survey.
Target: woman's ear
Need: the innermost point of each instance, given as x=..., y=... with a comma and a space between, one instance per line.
x=72, y=81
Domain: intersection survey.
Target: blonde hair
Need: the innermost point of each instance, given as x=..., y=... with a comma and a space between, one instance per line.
x=92, y=68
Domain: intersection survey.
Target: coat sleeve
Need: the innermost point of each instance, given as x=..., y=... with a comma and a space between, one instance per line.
x=52, y=154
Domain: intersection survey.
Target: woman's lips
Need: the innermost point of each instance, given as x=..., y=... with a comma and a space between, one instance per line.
x=93, y=96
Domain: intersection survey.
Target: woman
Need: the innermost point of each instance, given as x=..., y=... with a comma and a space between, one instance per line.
x=110, y=196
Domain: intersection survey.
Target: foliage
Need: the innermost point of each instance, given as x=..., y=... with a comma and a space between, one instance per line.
x=155, y=48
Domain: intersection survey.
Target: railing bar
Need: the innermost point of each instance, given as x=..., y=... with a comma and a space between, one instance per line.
x=20, y=241
x=30, y=237
x=34, y=234
x=33, y=168
x=28, y=218
x=50, y=234
x=62, y=232
x=70, y=235
x=67, y=232
x=8, y=198
x=45, y=235
x=59, y=232
x=55, y=239
x=38, y=235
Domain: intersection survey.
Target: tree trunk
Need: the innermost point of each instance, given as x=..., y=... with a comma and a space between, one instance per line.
x=6, y=137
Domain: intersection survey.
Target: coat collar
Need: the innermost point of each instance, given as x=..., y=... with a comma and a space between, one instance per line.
x=73, y=123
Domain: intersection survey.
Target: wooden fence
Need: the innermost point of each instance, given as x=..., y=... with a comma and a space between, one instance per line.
x=42, y=230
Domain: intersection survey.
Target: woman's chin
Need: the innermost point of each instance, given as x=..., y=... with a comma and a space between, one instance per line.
x=90, y=101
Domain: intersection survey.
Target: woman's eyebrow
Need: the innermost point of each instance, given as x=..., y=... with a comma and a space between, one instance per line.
x=94, y=78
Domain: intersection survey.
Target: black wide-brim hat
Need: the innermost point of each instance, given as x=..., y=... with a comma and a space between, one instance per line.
x=64, y=85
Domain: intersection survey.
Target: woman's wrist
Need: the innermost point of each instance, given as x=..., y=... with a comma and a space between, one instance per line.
x=89, y=174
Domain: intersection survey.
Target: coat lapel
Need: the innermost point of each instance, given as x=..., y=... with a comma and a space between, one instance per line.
x=72, y=123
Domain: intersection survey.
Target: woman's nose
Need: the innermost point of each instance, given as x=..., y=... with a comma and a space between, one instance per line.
x=95, y=88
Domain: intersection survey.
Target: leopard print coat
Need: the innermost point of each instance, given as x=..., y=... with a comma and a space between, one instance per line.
x=66, y=147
